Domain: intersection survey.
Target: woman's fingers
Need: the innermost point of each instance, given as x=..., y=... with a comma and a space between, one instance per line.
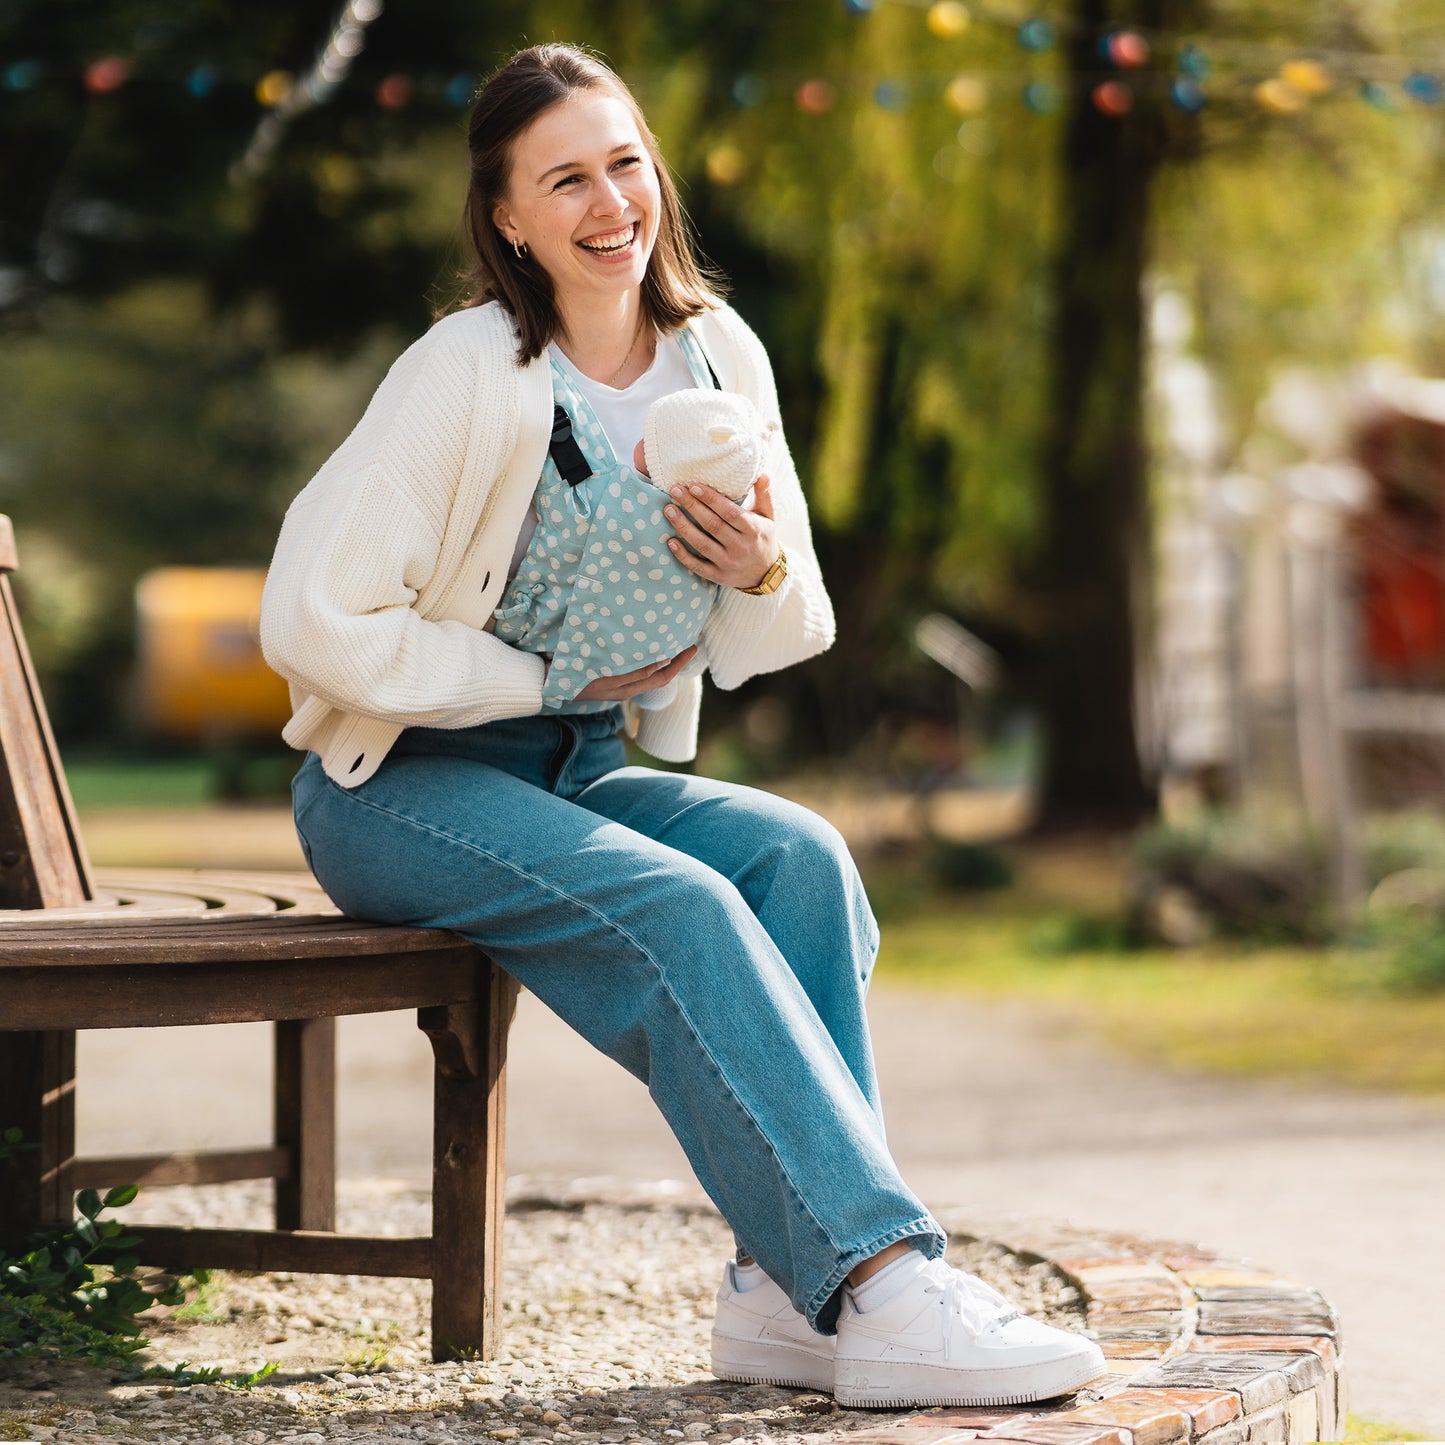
x=763, y=496
x=623, y=685
x=734, y=545
x=706, y=502
x=695, y=530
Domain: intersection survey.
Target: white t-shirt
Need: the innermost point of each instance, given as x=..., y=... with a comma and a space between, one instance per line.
x=621, y=412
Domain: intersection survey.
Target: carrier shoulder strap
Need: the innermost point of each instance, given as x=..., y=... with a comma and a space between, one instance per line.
x=566, y=455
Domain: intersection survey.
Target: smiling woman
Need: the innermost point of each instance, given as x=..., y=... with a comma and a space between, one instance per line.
x=714, y=940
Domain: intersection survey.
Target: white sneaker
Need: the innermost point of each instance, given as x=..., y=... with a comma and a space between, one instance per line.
x=760, y=1339
x=950, y=1339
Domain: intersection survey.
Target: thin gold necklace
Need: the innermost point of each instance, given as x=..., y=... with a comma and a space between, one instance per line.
x=641, y=327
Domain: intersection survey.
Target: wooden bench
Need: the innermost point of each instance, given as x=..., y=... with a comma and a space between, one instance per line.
x=84, y=948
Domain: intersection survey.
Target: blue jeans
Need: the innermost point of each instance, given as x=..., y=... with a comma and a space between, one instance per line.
x=715, y=940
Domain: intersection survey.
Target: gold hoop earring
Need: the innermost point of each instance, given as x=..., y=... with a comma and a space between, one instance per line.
x=520, y=247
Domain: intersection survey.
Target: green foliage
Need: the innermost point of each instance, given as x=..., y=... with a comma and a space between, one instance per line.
x=1065, y=935
x=1251, y=880
x=1415, y=958
x=74, y=1291
x=1395, y=842
x=969, y=867
x=248, y=1382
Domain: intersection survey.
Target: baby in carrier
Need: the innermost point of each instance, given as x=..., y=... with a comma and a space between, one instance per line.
x=631, y=601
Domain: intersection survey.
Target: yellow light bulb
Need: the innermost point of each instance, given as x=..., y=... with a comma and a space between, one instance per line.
x=1308, y=77
x=947, y=19
x=965, y=95
x=274, y=87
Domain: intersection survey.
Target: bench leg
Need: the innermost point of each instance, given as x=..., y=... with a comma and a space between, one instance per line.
x=469, y=1176
x=305, y=1122
x=37, y=1096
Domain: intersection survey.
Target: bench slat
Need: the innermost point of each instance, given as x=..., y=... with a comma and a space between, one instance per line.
x=276, y=1250
x=216, y=1166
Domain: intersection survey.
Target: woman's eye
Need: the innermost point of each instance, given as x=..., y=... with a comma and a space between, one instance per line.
x=629, y=161
x=566, y=181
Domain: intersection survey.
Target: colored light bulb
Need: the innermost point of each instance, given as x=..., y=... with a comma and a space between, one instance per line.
x=947, y=19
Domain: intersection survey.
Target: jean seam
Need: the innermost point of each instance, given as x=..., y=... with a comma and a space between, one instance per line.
x=747, y=1113
x=617, y=928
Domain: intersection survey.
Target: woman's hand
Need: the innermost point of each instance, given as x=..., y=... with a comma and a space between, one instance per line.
x=735, y=545
x=628, y=684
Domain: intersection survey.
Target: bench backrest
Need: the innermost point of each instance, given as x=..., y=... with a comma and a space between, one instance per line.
x=42, y=859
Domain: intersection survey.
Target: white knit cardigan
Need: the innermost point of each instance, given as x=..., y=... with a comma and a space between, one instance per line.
x=391, y=562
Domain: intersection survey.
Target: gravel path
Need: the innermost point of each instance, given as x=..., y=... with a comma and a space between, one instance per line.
x=607, y=1310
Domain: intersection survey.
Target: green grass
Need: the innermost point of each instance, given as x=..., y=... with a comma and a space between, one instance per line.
x=1304, y=1013
x=1374, y=1432
x=180, y=782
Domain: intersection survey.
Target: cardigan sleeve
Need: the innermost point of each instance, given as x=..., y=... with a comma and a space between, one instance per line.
x=746, y=635
x=361, y=543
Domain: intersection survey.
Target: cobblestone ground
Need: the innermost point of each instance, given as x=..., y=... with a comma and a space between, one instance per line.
x=607, y=1311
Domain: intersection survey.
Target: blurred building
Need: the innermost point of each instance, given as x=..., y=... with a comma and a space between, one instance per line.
x=201, y=678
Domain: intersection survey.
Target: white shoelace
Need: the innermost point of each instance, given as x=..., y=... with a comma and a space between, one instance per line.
x=979, y=1306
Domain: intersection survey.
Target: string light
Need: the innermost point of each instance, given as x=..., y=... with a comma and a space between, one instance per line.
x=947, y=19
x=1382, y=82
x=1378, y=97
x=1126, y=48
x=890, y=95
x=274, y=87
x=1036, y=34
x=1308, y=77
x=1422, y=86
x=726, y=165
x=395, y=92
x=1188, y=95
x=201, y=81
x=814, y=97
x=966, y=95
x=1113, y=97
x=749, y=91
x=1041, y=97
x=23, y=75
x=105, y=76
x=1278, y=97
x=1193, y=62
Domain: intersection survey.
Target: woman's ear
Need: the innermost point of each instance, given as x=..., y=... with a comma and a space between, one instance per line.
x=502, y=220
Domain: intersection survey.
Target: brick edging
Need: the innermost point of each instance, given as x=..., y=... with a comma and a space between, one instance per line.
x=1201, y=1350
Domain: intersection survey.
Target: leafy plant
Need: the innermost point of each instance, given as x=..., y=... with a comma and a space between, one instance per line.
x=74, y=1290
x=1251, y=880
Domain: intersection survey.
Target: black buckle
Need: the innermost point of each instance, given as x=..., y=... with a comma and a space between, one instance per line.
x=566, y=454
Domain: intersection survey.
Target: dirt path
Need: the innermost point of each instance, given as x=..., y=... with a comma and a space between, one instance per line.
x=993, y=1108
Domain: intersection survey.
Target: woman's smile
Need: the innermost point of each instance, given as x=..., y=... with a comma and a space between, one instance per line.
x=612, y=243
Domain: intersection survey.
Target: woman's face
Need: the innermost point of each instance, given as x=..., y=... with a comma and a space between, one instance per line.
x=583, y=195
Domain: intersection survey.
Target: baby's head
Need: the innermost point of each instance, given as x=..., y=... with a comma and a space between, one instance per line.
x=715, y=437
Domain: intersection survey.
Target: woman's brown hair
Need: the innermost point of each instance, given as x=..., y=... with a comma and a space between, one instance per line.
x=676, y=286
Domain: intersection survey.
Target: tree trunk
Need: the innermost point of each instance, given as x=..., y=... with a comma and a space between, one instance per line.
x=1090, y=575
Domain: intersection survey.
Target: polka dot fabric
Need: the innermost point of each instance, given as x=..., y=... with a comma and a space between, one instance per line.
x=598, y=587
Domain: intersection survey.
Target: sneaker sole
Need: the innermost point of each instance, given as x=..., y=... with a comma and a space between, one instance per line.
x=877, y=1384
x=754, y=1362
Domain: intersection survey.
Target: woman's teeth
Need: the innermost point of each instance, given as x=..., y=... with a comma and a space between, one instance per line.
x=613, y=241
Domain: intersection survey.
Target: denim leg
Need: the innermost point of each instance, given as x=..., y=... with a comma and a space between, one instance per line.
x=793, y=870
x=659, y=961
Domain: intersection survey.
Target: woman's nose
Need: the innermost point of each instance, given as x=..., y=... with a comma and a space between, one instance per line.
x=609, y=199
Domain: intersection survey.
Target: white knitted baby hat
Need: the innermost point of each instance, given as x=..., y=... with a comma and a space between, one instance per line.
x=715, y=437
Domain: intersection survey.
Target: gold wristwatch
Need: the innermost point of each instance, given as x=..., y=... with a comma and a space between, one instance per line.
x=772, y=578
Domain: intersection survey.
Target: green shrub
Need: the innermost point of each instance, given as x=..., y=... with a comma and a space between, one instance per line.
x=1250, y=880
x=1394, y=842
x=74, y=1290
x=968, y=867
